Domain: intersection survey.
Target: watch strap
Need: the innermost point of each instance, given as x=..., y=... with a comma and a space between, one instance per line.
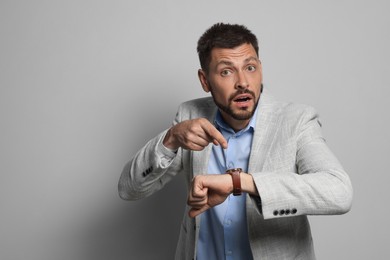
x=235, y=173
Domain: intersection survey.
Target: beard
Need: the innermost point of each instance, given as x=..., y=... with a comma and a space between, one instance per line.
x=243, y=113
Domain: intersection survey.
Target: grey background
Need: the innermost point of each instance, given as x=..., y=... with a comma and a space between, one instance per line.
x=84, y=84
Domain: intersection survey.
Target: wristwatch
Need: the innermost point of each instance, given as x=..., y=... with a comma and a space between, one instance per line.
x=235, y=173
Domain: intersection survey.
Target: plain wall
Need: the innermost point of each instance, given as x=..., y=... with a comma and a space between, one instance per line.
x=84, y=84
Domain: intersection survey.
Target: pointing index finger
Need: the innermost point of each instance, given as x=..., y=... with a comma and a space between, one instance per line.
x=215, y=135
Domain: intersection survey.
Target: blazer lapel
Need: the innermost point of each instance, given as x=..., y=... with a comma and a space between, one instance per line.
x=200, y=159
x=265, y=132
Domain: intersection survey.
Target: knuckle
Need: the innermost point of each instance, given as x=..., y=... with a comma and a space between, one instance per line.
x=197, y=178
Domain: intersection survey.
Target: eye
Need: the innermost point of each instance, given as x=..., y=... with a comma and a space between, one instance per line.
x=251, y=68
x=225, y=73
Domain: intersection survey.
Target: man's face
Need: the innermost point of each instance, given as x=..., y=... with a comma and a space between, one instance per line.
x=234, y=80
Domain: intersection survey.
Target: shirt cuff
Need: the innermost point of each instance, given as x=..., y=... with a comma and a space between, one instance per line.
x=165, y=154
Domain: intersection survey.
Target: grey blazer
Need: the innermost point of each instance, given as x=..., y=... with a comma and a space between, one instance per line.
x=294, y=171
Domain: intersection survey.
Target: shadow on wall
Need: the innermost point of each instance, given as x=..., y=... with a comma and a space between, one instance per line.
x=144, y=229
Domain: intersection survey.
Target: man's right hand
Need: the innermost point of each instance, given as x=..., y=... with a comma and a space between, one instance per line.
x=193, y=134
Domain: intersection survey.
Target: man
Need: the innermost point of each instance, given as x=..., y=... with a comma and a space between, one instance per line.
x=255, y=167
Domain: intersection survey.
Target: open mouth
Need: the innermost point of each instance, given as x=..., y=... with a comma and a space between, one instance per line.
x=242, y=98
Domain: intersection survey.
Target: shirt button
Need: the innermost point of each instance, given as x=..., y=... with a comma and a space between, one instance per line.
x=228, y=222
x=229, y=252
x=231, y=165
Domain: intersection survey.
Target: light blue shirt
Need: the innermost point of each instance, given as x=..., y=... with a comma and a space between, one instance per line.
x=223, y=230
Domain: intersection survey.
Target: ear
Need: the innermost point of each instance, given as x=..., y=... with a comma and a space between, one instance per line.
x=203, y=80
x=261, y=69
x=261, y=73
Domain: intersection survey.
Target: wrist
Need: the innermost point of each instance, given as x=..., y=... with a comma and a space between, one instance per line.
x=168, y=140
x=248, y=185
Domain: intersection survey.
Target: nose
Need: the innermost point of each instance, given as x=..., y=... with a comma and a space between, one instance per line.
x=242, y=82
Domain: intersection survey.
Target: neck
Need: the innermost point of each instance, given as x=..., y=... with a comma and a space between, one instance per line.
x=235, y=124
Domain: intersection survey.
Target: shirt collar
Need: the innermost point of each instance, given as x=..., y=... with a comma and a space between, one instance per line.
x=221, y=124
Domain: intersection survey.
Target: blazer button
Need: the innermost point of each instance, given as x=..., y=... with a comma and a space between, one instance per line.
x=287, y=211
x=294, y=211
x=276, y=212
x=281, y=212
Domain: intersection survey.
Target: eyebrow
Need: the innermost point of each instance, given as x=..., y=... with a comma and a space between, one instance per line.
x=229, y=63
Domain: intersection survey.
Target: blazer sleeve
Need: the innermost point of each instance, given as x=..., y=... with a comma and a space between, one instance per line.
x=320, y=186
x=150, y=169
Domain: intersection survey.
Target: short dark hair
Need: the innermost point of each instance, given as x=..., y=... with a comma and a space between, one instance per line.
x=222, y=35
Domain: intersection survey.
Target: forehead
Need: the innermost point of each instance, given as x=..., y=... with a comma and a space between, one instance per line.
x=237, y=54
